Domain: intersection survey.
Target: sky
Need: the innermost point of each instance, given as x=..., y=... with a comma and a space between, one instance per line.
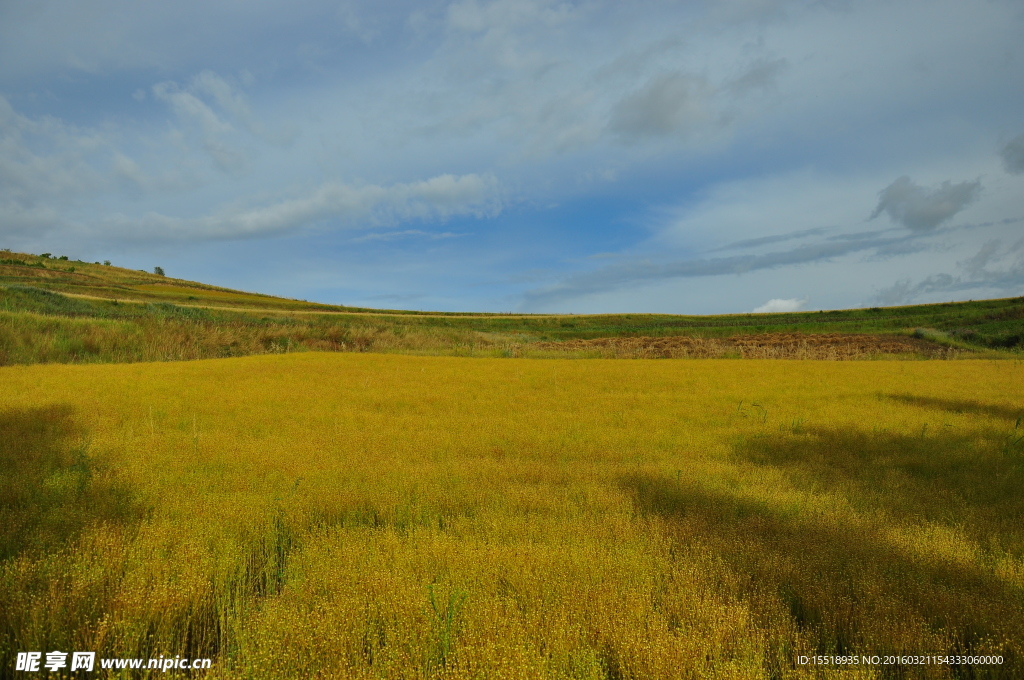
x=698, y=157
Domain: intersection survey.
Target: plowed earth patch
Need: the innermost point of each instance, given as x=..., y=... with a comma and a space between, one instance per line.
x=828, y=346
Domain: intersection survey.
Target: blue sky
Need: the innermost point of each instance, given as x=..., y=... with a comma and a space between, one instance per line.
x=522, y=155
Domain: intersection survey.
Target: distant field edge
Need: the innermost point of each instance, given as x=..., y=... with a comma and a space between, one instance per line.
x=57, y=310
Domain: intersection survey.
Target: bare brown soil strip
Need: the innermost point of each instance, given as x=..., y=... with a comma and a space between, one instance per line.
x=828, y=346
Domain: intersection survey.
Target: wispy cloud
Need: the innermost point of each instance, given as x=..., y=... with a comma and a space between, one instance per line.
x=997, y=268
x=405, y=233
x=214, y=131
x=47, y=170
x=635, y=272
x=769, y=240
x=343, y=205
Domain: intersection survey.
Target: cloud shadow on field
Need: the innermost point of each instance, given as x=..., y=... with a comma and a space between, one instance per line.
x=51, y=487
x=1010, y=413
x=968, y=480
x=909, y=568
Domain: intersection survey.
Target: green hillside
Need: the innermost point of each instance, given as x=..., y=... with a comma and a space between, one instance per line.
x=62, y=310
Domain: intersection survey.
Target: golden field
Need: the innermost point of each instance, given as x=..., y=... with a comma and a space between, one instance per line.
x=384, y=516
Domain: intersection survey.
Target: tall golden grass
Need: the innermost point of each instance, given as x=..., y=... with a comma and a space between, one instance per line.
x=31, y=338
x=366, y=516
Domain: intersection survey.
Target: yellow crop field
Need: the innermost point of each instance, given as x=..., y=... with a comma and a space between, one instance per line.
x=382, y=516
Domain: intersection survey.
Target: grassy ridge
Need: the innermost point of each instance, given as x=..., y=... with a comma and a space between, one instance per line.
x=38, y=326
x=109, y=282
x=95, y=280
x=63, y=311
x=365, y=516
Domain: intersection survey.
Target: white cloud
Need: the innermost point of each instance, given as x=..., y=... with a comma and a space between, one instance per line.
x=920, y=209
x=343, y=205
x=44, y=157
x=226, y=96
x=53, y=175
x=189, y=107
x=777, y=305
x=213, y=130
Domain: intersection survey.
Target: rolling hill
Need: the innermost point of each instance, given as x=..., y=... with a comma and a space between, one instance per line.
x=62, y=310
